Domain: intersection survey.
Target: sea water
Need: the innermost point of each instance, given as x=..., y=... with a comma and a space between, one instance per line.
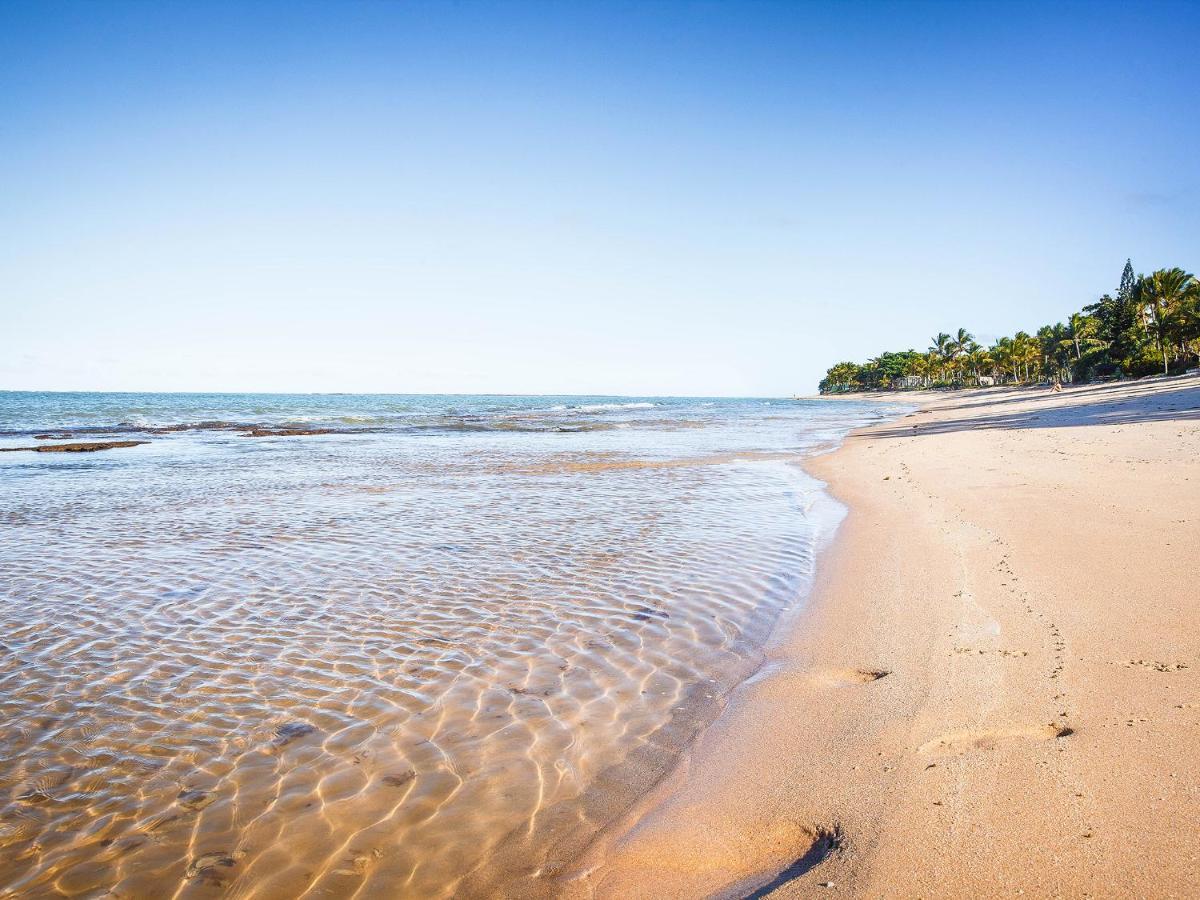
x=375, y=646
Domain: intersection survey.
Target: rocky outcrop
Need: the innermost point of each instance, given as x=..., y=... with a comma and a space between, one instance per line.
x=87, y=447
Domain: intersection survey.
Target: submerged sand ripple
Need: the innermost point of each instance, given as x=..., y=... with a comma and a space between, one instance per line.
x=383, y=679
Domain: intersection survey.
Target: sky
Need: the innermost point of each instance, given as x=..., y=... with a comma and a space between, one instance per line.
x=641, y=199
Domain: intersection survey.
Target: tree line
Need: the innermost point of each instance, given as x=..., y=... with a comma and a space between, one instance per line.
x=1151, y=326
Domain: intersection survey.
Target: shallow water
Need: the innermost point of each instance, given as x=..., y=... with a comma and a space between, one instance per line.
x=427, y=654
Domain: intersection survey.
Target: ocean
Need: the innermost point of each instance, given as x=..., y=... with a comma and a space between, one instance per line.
x=375, y=645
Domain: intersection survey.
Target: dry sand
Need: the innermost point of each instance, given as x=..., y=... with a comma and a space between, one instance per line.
x=1025, y=568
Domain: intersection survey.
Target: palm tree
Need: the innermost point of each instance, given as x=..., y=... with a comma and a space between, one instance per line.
x=960, y=343
x=1004, y=352
x=1164, y=293
x=979, y=360
x=1020, y=354
x=1083, y=330
x=943, y=348
x=934, y=363
x=1030, y=354
x=1047, y=345
x=919, y=366
x=843, y=376
x=1187, y=322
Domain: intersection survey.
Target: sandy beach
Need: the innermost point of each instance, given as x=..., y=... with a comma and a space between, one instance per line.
x=995, y=688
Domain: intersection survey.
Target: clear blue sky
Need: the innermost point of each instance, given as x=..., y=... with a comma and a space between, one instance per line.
x=643, y=198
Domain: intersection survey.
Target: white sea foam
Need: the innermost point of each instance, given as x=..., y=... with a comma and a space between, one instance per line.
x=606, y=407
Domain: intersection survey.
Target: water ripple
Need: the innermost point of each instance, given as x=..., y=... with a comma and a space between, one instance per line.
x=363, y=669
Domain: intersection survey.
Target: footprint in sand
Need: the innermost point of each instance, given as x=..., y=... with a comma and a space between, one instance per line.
x=1156, y=665
x=985, y=738
x=850, y=676
x=814, y=843
x=821, y=843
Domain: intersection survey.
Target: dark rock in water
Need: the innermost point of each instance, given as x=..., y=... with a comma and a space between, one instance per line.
x=266, y=431
x=89, y=447
x=206, y=866
x=195, y=426
x=399, y=780
x=289, y=732
x=196, y=800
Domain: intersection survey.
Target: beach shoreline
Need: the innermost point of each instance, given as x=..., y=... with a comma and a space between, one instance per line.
x=994, y=687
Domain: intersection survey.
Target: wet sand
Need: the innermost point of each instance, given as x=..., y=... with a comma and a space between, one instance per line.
x=996, y=686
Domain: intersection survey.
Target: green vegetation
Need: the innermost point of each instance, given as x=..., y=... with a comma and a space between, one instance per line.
x=1151, y=326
